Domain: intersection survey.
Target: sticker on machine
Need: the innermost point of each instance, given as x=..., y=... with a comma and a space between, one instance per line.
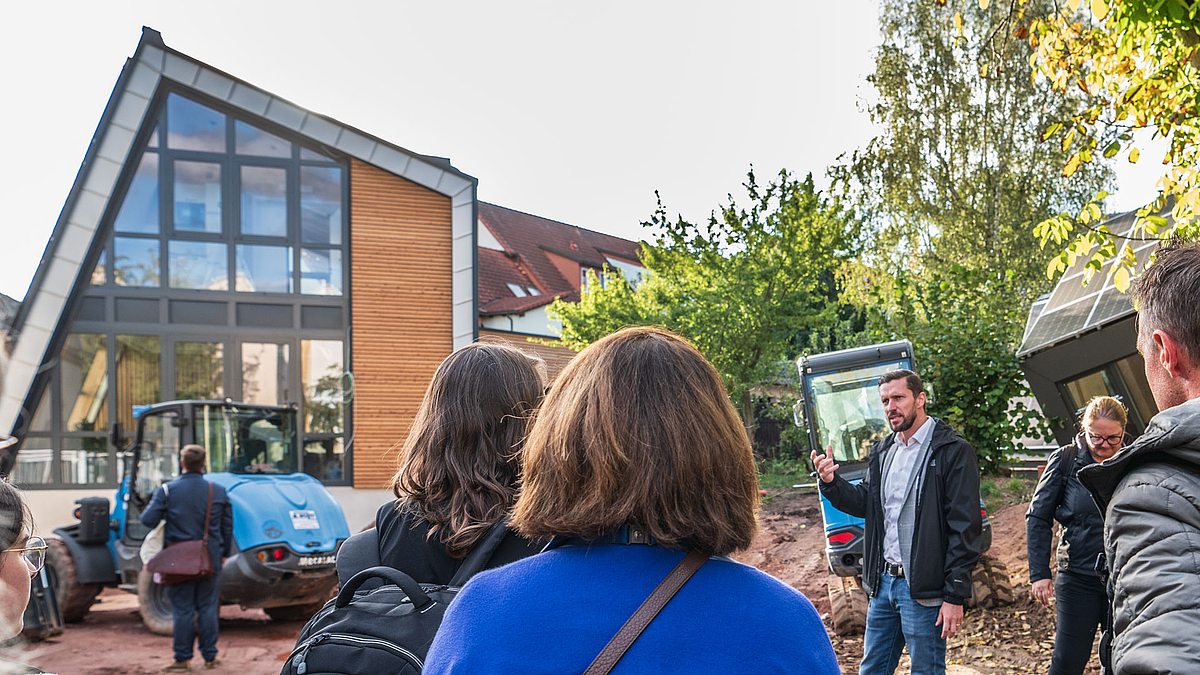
x=304, y=520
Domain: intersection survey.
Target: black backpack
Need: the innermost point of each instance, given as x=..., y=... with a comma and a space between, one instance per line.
x=387, y=629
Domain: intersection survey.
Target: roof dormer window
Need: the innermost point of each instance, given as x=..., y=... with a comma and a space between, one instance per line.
x=516, y=290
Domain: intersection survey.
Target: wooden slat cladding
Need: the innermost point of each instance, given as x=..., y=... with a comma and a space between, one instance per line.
x=556, y=356
x=400, y=316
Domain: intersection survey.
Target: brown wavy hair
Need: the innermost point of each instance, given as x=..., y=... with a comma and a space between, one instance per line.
x=460, y=463
x=637, y=429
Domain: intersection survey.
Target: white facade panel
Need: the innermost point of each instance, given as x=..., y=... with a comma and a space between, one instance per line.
x=116, y=144
x=60, y=278
x=461, y=253
x=74, y=244
x=533, y=322
x=421, y=173
x=102, y=176
x=462, y=286
x=130, y=111
x=462, y=220
x=391, y=159
x=463, y=323
x=153, y=57
x=356, y=145
x=452, y=184
x=217, y=86
x=180, y=69
x=88, y=208
x=249, y=98
x=144, y=81
x=45, y=311
x=285, y=114
x=320, y=129
x=467, y=196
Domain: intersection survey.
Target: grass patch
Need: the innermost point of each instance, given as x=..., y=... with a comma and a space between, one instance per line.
x=998, y=490
x=782, y=473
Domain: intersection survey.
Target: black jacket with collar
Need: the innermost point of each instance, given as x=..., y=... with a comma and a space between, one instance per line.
x=949, y=524
x=1060, y=496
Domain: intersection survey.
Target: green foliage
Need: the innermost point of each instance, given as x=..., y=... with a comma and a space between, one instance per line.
x=988, y=489
x=965, y=325
x=793, y=440
x=1016, y=485
x=958, y=174
x=782, y=473
x=742, y=286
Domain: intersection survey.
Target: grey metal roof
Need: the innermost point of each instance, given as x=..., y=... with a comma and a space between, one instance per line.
x=1074, y=307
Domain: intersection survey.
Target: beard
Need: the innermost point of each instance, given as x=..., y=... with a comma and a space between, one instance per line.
x=904, y=423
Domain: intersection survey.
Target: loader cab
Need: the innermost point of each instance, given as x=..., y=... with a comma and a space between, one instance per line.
x=239, y=439
x=841, y=408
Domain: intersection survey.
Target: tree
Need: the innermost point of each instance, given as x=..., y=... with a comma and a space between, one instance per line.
x=964, y=332
x=744, y=287
x=1137, y=64
x=957, y=175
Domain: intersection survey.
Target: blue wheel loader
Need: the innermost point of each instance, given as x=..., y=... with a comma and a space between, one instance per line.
x=286, y=526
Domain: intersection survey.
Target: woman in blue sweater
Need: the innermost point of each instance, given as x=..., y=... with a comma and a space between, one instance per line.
x=635, y=458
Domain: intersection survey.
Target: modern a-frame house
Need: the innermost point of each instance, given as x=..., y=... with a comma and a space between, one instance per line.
x=218, y=242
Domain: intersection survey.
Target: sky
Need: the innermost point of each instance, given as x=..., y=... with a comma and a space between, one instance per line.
x=578, y=112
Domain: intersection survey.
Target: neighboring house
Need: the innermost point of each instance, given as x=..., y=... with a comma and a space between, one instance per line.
x=220, y=241
x=8, y=311
x=1081, y=341
x=526, y=261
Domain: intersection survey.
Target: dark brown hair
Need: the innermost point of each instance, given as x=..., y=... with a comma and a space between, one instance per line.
x=193, y=457
x=459, y=464
x=15, y=518
x=911, y=379
x=637, y=429
x=1165, y=295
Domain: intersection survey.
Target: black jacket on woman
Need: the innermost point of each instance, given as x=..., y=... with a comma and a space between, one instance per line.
x=949, y=524
x=1060, y=496
x=404, y=544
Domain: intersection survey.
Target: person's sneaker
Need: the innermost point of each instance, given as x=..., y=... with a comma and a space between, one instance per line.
x=177, y=667
x=209, y=665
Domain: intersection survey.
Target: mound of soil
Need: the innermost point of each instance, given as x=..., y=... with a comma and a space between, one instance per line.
x=1015, y=639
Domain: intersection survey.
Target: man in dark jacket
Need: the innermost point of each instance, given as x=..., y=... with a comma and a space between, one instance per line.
x=1149, y=491
x=920, y=499
x=194, y=604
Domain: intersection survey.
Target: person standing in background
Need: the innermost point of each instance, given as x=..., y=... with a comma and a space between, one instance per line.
x=1081, y=601
x=184, y=502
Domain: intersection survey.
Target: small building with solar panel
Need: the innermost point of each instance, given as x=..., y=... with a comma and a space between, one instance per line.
x=1081, y=341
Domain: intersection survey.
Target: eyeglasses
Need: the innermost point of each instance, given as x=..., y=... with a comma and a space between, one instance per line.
x=1115, y=439
x=34, y=553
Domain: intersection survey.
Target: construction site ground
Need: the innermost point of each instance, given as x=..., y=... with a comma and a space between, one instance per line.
x=1014, y=639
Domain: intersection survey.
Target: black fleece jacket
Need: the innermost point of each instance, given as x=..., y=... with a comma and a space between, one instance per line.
x=949, y=524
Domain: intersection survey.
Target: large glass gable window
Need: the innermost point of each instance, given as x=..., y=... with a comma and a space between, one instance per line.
x=223, y=273
x=221, y=204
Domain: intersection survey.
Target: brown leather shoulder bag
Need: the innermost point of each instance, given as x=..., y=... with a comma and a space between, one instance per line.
x=185, y=560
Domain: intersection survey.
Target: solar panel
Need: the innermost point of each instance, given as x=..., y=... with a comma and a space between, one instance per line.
x=1074, y=307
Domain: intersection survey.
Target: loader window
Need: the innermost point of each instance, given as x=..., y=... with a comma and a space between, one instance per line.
x=847, y=411
x=249, y=440
x=159, y=454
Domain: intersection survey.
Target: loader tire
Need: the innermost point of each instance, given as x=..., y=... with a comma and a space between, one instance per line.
x=154, y=605
x=847, y=606
x=990, y=584
x=74, y=599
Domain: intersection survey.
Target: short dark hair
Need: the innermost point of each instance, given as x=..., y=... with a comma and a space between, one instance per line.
x=193, y=457
x=638, y=429
x=1165, y=294
x=910, y=378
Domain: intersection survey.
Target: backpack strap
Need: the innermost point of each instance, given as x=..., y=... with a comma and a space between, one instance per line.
x=479, y=556
x=662, y=594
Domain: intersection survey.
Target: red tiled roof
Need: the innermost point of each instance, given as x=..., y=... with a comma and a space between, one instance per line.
x=526, y=239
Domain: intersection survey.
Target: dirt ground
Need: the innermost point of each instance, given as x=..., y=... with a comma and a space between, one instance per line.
x=1015, y=639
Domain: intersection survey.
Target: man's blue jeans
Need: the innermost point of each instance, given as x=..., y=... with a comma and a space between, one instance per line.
x=194, y=607
x=895, y=619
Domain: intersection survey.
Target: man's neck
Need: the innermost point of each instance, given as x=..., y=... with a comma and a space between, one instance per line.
x=918, y=422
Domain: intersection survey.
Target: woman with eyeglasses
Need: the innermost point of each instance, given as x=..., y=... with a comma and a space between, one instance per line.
x=21, y=560
x=1078, y=591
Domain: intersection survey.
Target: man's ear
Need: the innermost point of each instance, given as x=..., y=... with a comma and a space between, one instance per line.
x=1170, y=355
x=921, y=399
